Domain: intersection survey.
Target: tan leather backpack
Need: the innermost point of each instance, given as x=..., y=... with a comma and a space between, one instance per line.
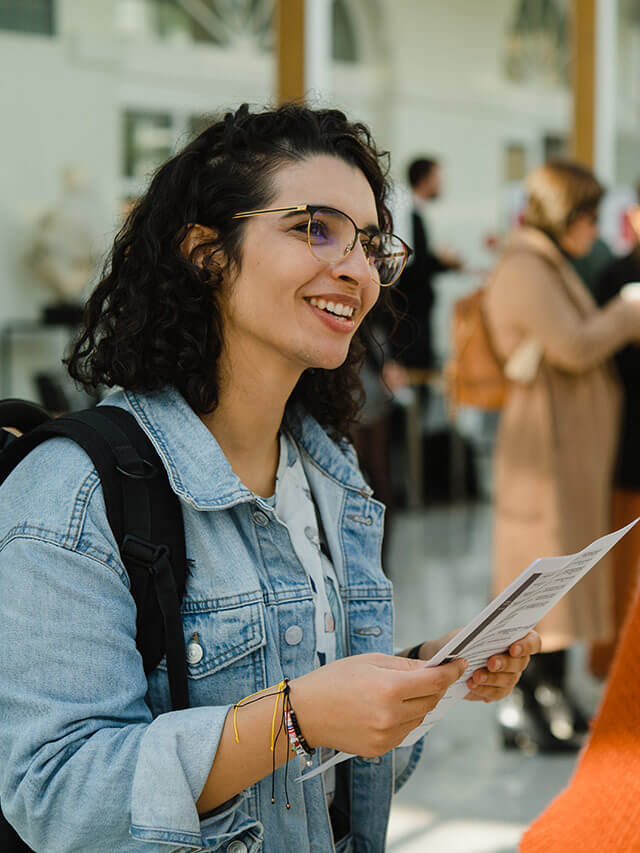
x=473, y=373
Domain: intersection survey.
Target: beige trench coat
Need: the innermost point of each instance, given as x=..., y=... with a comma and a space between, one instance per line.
x=557, y=435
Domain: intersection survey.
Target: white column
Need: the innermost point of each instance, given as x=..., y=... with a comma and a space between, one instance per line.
x=606, y=69
x=317, y=51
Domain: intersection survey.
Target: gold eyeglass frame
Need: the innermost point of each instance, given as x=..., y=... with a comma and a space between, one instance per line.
x=310, y=209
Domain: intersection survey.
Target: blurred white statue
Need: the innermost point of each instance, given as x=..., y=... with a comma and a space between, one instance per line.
x=66, y=244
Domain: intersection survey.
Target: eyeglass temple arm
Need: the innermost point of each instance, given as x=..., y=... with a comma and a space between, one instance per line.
x=245, y=213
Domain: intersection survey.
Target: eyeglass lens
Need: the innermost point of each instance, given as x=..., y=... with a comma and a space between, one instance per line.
x=332, y=235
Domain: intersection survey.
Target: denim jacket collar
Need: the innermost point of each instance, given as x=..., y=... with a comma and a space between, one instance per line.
x=199, y=471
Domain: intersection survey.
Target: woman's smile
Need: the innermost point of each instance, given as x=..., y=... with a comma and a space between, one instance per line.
x=337, y=312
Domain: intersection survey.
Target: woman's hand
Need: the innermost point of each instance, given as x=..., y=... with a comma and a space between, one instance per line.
x=502, y=672
x=367, y=704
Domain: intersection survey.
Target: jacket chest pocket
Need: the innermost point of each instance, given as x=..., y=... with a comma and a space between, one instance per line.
x=224, y=648
x=370, y=625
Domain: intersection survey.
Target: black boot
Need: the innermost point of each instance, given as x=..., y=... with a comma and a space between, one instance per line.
x=554, y=668
x=538, y=716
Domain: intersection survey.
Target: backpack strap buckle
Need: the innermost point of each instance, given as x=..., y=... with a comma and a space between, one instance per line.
x=144, y=553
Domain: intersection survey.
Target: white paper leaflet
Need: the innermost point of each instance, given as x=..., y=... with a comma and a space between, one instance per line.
x=508, y=618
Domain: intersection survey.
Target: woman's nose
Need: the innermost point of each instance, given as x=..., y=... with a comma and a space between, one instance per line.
x=354, y=266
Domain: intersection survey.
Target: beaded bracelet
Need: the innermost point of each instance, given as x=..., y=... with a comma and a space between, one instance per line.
x=298, y=743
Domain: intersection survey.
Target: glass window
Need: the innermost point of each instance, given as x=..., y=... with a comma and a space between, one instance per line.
x=223, y=23
x=536, y=43
x=628, y=94
x=148, y=141
x=554, y=146
x=27, y=16
x=345, y=46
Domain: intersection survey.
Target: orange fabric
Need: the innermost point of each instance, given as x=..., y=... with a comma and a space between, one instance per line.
x=599, y=811
x=625, y=566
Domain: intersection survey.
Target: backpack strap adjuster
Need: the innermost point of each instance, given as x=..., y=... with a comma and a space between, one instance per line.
x=144, y=553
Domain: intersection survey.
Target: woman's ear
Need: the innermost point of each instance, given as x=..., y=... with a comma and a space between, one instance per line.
x=199, y=244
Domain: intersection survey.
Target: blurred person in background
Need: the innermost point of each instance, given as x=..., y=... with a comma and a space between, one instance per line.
x=381, y=377
x=558, y=433
x=626, y=496
x=412, y=340
x=591, y=267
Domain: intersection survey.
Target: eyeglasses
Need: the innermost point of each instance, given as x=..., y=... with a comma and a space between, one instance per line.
x=332, y=235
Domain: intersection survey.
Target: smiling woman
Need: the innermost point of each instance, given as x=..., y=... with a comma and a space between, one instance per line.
x=233, y=336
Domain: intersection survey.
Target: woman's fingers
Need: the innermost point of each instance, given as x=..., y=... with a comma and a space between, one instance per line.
x=490, y=687
x=415, y=710
x=420, y=681
x=500, y=676
x=529, y=645
x=517, y=657
x=482, y=678
x=503, y=663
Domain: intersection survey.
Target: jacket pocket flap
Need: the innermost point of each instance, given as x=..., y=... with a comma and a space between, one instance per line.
x=217, y=638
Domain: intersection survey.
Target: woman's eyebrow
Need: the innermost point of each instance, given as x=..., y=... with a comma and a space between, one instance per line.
x=372, y=230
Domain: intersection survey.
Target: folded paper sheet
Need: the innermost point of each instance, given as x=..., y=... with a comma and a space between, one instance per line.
x=508, y=618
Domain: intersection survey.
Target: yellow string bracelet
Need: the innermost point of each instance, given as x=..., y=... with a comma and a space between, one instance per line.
x=279, y=691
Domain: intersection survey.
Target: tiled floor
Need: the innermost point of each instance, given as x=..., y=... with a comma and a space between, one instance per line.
x=468, y=795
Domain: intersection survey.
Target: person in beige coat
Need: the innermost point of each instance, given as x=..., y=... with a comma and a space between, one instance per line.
x=558, y=431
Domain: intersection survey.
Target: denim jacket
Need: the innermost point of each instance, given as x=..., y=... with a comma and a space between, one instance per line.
x=91, y=757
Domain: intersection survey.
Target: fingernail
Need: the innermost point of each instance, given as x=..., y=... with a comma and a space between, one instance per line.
x=497, y=665
x=481, y=677
x=517, y=650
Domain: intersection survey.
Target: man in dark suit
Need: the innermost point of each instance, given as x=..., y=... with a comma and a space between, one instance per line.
x=414, y=295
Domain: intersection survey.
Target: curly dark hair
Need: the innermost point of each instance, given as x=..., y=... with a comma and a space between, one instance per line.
x=155, y=318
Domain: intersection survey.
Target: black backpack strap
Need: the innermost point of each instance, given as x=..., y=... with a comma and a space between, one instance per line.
x=146, y=519
x=152, y=546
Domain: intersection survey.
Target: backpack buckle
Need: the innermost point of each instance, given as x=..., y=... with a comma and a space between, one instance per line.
x=143, y=552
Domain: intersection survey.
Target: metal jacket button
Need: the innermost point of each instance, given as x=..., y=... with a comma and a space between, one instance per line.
x=261, y=519
x=293, y=635
x=194, y=652
x=237, y=847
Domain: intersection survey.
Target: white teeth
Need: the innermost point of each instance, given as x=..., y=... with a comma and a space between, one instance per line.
x=336, y=308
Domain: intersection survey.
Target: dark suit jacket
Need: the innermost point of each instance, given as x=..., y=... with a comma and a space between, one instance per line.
x=413, y=297
x=623, y=271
